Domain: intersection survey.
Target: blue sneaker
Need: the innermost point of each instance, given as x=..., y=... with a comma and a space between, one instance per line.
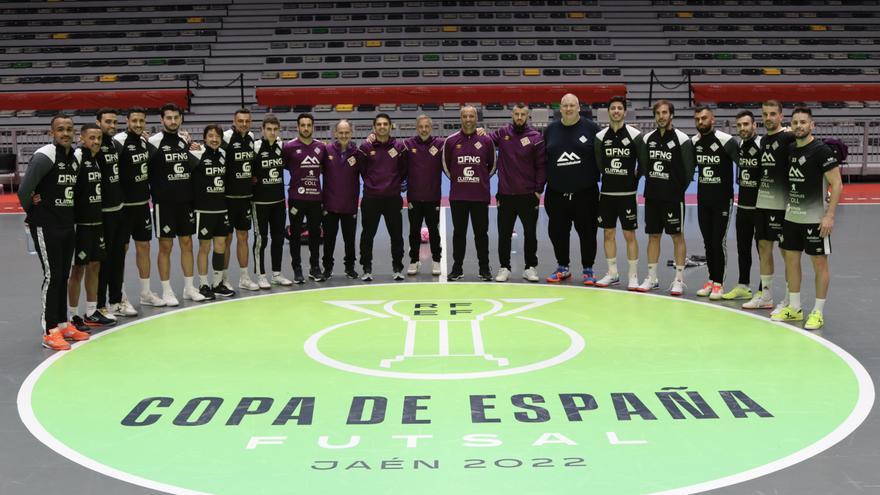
x=559, y=275
x=589, y=278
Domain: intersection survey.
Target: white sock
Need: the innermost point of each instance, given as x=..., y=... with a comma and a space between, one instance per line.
x=145, y=286
x=633, y=267
x=652, y=271
x=767, y=284
x=188, y=283
x=218, y=277
x=612, y=266
x=203, y=279
x=679, y=273
x=276, y=274
x=225, y=278
x=244, y=274
x=794, y=300
x=91, y=307
x=820, y=305
x=166, y=287
x=72, y=310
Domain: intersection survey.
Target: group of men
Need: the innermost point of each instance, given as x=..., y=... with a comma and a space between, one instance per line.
x=85, y=204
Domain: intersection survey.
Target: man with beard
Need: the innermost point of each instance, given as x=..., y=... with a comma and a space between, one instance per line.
x=342, y=185
x=424, y=152
x=238, y=143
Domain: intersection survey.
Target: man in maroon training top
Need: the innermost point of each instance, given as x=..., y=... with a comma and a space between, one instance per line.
x=425, y=154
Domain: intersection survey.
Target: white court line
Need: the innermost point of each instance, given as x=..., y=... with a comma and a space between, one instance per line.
x=443, y=252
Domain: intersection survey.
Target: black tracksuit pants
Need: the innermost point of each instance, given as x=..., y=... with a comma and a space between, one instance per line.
x=511, y=206
x=55, y=246
x=429, y=212
x=269, y=221
x=478, y=213
x=745, y=239
x=112, y=270
x=579, y=208
x=713, y=219
x=311, y=212
x=332, y=222
x=372, y=209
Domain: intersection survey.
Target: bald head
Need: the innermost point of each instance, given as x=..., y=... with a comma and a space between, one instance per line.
x=468, y=119
x=570, y=108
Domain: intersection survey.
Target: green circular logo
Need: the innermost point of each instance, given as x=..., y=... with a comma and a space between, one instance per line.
x=471, y=388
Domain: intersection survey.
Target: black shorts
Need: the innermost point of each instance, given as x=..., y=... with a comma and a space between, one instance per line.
x=768, y=224
x=663, y=216
x=90, y=244
x=211, y=225
x=138, y=222
x=612, y=208
x=805, y=237
x=174, y=220
x=239, y=211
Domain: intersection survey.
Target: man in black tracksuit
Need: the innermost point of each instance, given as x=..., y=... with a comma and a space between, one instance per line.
x=46, y=195
x=572, y=194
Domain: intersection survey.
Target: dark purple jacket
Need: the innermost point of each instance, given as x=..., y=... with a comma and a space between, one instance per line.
x=383, y=167
x=342, y=181
x=425, y=160
x=469, y=161
x=522, y=161
x=304, y=162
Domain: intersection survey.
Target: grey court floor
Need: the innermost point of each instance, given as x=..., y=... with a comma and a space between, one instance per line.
x=852, y=316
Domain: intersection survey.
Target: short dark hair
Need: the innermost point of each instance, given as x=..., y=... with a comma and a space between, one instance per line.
x=59, y=116
x=212, y=127
x=772, y=103
x=241, y=110
x=702, y=108
x=521, y=104
x=89, y=127
x=270, y=118
x=169, y=107
x=136, y=110
x=304, y=116
x=745, y=113
x=618, y=99
x=100, y=113
x=660, y=103
x=382, y=116
x=803, y=109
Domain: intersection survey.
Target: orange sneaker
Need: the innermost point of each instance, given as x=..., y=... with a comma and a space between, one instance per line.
x=55, y=341
x=71, y=333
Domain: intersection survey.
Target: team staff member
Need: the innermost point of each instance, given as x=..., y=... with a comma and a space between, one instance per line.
x=304, y=159
x=715, y=153
x=469, y=162
x=809, y=217
x=134, y=153
x=669, y=171
x=269, y=211
x=424, y=153
x=342, y=185
x=208, y=167
x=620, y=153
x=572, y=194
x=383, y=163
x=112, y=270
x=748, y=173
x=90, y=245
x=46, y=196
x=172, y=191
x=238, y=143
x=772, y=200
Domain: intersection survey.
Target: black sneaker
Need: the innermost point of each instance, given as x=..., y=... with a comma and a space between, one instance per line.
x=97, y=319
x=206, y=291
x=315, y=274
x=351, y=273
x=222, y=291
x=485, y=275
x=80, y=324
x=298, y=276
x=327, y=274
x=455, y=274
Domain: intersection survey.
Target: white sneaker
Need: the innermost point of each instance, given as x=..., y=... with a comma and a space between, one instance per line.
x=247, y=284
x=279, y=279
x=705, y=290
x=717, y=292
x=367, y=276
x=531, y=274
x=398, y=276
x=779, y=308
x=633, y=284
x=193, y=294
x=759, y=301
x=435, y=268
x=677, y=288
x=170, y=299
x=649, y=284
x=107, y=314
x=263, y=282
x=503, y=275
x=125, y=308
x=414, y=268
x=151, y=299
x=608, y=280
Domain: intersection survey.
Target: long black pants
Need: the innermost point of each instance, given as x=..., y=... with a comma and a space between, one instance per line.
x=311, y=211
x=55, y=246
x=112, y=269
x=511, y=206
x=269, y=220
x=581, y=209
x=745, y=239
x=372, y=209
x=478, y=214
x=713, y=219
x=332, y=222
x=429, y=212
